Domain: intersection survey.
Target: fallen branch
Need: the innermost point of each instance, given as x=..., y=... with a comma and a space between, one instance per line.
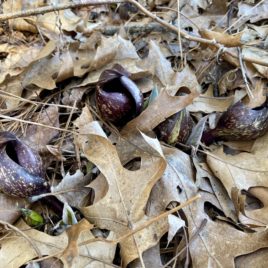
x=47, y=9
x=134, y=28
x=144, y=225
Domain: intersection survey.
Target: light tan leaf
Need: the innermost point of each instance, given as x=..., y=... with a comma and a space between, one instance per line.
x=75, y=191
x=254, y=14
x=39, y=136
x=261, y=214
x=259, y=94
x=204, y=233
x=210, y=104
x=110, y=51
x=122, y=208
x=71, y=252
x=14, y=87
x=158, y=65
x=18, y=57
x=259, y=257
x=47, y=71
x=16, y=251
x=175, y=224
x=231, y=80
x=258, y=54
x=242, y=171
x=185, y=79
x=50, y=24
x=161, y=108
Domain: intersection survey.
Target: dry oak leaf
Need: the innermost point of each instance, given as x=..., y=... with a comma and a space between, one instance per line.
x=16, y=250
x=121, y=210
x=243, y=171
x=161, y=108
x=212, y=243
x=49, y=24
x=17, y=58
x=157, y=64
x=258, y=54
x=39, y=136
x=217, y=243
x=110, y=51
x=73, y=187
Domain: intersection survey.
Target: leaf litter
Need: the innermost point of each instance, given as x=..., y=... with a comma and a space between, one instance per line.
x=128, y=199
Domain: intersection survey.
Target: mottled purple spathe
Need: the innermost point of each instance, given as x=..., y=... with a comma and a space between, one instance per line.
x=118, y=98
x=21, y=175
x=239, y=123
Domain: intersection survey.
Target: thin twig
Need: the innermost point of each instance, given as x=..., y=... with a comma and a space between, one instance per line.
x=143, y=226
x=179, y=31
x=14, y=228
x=149, y=222
x=170, y=26
x=9, y=95
x=133, y=28
x=200, y=228
x=47, y=9
x=244, y=75
x=35, y=123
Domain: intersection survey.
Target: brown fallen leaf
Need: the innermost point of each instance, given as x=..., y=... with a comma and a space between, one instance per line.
x=71, y=252
x=259, y=94
x=45, y=23
x=243, y=171
x=73, y=186
x=47, y=71
x=157, y=64
x=18, y=57
x=203, y=173
x=204, y=248
x=205, y=234
x=39, y=136
x=259, y=213
x=151, y=258
x=122, y=208
x=259, y=54
x=161, y=108
x=258, y=257
x=207, y=104
x=231, y=80
x=112, y=50
x=16, y=251
x=246, y=12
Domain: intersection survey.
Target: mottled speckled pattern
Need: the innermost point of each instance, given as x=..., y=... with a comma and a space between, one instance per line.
x=22, y=179
x=239, y=123
x=175, y=129
x=118, y=98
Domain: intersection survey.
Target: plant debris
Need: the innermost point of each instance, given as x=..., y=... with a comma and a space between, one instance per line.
x=133, y=135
